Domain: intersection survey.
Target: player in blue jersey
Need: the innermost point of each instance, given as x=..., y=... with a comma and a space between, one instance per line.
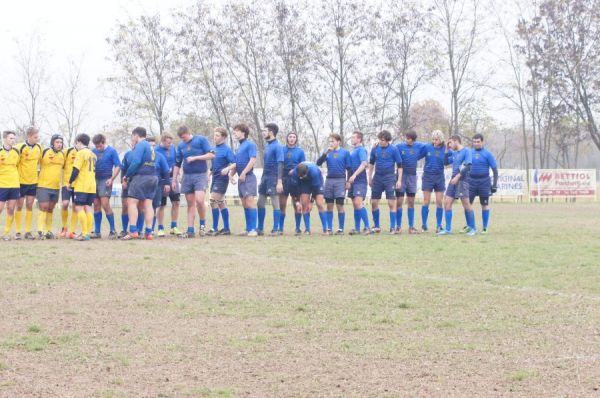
x=338, y=171
x=293, y=155
x=461, y=159
x=480, y=183
x=221, y=166
x=124, y=214
x=140, y=181
x=245, y=158
x=167, y=149
x=108, y=167
x=192, y=153
x=410, y=151
x=308, y=179
x=433, y=179
x=357, y=183
x=384, y=160
x=164, y=180
x=271, y=182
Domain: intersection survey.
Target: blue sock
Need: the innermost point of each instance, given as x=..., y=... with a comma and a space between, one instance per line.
x=323, y=217
x=439, y=214
x=375, y=218
x=97, y=221
x=161, y=227
x=485, y=216
x=111, y=221
x=393, y=219
x=140, y=222
x=225, y=215
x=253, y=218
x=215, y=218
x=133, y=228
x=330, y=220
x=471, y=220
x=298, y=219
x=341, y=220
x=365, y=217
x=306, y=217
x=448, y=220
x=276, y=216
x=357, y=219
x=262, y=212
x=424, y=214
x=124, y=221
x=173, y=224
x=190, y=230
x=247, y=218
x=148, y=230
x=281, y=222
x=202, y=223
x=411, y=217
x=153, y=223
x=399, y=218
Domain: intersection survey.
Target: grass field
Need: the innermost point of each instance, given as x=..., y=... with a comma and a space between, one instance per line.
x=516, y=312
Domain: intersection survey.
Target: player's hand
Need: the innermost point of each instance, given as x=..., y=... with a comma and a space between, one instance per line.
x=243, y=177
x=455, y=179
x=224, y=172
x=351, y=179
x=494, y=189
x=124, y=184
x=398, y=185
x=191, y=159
x=232, y=180
x=279, y=187
x=108, y=182
x=167, y=189
x=348, y=184
x=371, y=183
x=174, y=186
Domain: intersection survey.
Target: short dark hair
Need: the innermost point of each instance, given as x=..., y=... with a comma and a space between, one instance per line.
x=243, y=128
x=412, y=134
x=302, y=170
x=222, y=131
x=336, y=137
x=456, y=137
x=151, y=139
x=99, y=139
x=272, y=127
x=183, y=130
x=359, y=134
x=478, y=136
x=139, y=131
x=385, y=135
x=7, y=133
x=83, y=138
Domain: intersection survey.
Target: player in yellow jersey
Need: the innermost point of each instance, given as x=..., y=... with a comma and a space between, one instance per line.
x=51, y=170
x=66, y=195
x=83, y=181
x=9, y=179
x=31, y=153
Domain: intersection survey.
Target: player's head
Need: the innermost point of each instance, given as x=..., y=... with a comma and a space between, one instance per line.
x=478, y=141
x=270, y=131
x=8, y=138
x=437, y=138
x=291, y=139
x=241, y=131
x=33, y=135
x=99, y=141
x=220, y=135
x=138, y=134
x=184, y=133
x=56, y=142
x=151, y=140
x=410, y=136
x=455, y=142
x=82, y=141
x=384, y=137
x=335, y=140
x=356, y=138
x=166, y=139
x=302, y=170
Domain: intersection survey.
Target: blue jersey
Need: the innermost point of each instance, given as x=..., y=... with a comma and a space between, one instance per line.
x=105, y=161
x=170, y=154
x=223, y=157
x=126, y=162
x=272, y=157
x=245, y=152
x=483, y=161
x=357, y=156
x=410, y=156
x=292, y=157
x=162, y=169
x=434, y=158
x=459, y=158
x=143, y=159
x=386, y=160
x=314, y=176
x=338, y=162
x=197, y=146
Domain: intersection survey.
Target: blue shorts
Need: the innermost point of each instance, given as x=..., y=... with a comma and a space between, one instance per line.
x=385, y=184
x=358, y=190
x=103, y=191
x=248, y=187
x=481, y=187
x=335, y=188
x=458, y=191
x=289, y=188
x=308, y=189
x=158, y=196
x=66, y=193
x=268, y=185
x=83, y=198
x=9, y=194
x=28, y=189
x=191, y=183
x=142, y=187
x=433, y=182
x=219, y=184
x=409, y=186
x=44, y=195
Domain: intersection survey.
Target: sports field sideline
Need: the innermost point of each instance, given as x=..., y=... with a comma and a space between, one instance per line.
x=515, y=312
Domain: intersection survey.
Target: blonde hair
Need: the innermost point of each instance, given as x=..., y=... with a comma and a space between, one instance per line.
x=437, y=134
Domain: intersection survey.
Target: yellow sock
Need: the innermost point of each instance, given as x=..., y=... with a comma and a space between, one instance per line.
x=81, y=216
x=49, y=221
x=28, y=217
x=18, y=215
x=9, y=220
x=74, y=217
x=41, y=223
x=90, y=222
x=64, y=217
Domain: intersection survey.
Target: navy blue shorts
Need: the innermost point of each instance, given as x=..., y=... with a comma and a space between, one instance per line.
x=158, y=196
x=268, y=185
x=83, y=198
x=358, y=190
x=433, y=182
x=66, y=193
x=28, y=189
x=219, y=184
x=290, y=188
x=458, y=191
x=9, y=194
x=142, y=187
x=248, y=187
x=307, y=188
x=383, y=184
x=409, y=185
x=481, y=187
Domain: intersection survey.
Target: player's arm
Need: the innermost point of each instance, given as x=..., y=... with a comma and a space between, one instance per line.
x=371, y=167
x=322, y=158
x=494, y=167
x=247, y=169
x=176, y=167
x=116, y=168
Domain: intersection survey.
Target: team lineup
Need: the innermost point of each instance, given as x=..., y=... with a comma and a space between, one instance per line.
x=156, y=170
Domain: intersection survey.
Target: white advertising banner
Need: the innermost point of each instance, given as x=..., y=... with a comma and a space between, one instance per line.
x=563, y=182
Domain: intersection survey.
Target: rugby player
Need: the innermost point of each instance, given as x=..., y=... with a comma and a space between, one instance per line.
x=479, y=179
x=51, y=171
x=308, y=179
x=357, y=183
x=167, y=149
x=29, y=162
x=433, y=179
x=221, y=166
x=271, y=182
x=108, y=167
x=245, y=158
x=83, y=182
x=410, y=151
x=10, y=188
x=293, y=155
